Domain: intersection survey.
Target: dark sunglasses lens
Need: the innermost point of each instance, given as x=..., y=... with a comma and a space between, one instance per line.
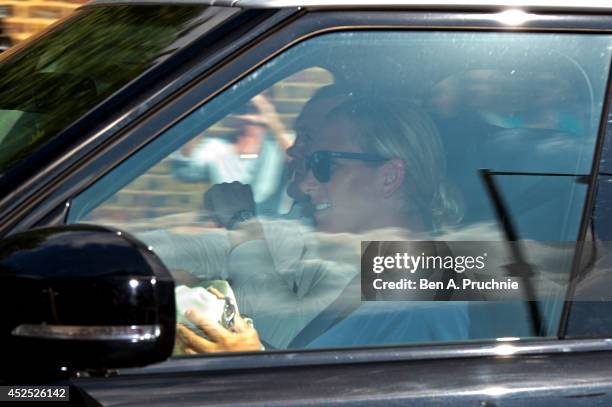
x=321, y=168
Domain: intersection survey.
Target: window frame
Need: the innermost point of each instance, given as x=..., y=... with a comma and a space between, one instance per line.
x=591, y=223
x=260, y=51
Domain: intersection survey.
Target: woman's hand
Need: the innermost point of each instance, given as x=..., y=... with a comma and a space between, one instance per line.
x=226, y=199
x=241, y=338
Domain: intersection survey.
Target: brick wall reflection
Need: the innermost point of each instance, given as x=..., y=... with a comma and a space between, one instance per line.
x=23, y=18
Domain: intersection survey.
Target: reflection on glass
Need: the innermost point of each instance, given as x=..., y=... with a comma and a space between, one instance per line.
x=389, y=152
x=50, y=84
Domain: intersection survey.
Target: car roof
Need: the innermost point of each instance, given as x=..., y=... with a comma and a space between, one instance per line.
x=584, y=5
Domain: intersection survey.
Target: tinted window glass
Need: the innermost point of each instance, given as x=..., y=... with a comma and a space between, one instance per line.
x=53, y=82
x=393, y=150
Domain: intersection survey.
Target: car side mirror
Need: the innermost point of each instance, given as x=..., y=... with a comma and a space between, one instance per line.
x=82, y=297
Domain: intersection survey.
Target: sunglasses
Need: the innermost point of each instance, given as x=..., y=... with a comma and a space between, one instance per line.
x=320, y=162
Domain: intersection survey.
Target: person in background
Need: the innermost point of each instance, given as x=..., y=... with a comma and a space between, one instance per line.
x=254, y=155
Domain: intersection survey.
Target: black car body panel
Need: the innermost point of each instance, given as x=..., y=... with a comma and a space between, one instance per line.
x=540, y=380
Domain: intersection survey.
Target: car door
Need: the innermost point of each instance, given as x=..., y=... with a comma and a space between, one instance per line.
x=524, y=103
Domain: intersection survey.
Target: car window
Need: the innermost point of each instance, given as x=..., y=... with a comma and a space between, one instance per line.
x=47, y=86
x=311, y=192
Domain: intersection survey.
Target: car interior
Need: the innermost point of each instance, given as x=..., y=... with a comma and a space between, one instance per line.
x=497, y=107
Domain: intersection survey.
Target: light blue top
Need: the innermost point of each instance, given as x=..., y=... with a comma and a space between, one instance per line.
x=398, y=322
x=215, y=160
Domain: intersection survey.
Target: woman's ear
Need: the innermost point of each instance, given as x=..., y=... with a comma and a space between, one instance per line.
x=393, y=173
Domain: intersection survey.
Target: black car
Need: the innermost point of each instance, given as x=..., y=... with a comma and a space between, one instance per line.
x=391, y=203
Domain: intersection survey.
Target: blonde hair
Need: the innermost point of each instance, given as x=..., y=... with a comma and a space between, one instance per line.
x=400, y=129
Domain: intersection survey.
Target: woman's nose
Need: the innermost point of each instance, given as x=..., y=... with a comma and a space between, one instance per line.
x=308, y=184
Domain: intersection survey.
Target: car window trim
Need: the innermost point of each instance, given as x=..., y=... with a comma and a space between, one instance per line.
x=589, y=205
x=341, y=356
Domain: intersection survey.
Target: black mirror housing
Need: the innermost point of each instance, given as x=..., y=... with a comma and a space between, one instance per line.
x=82, y=297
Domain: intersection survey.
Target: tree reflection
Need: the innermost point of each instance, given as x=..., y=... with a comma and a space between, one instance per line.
x=53, y=82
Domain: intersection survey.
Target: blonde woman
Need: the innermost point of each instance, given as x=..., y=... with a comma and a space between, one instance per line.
x=373, y=171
